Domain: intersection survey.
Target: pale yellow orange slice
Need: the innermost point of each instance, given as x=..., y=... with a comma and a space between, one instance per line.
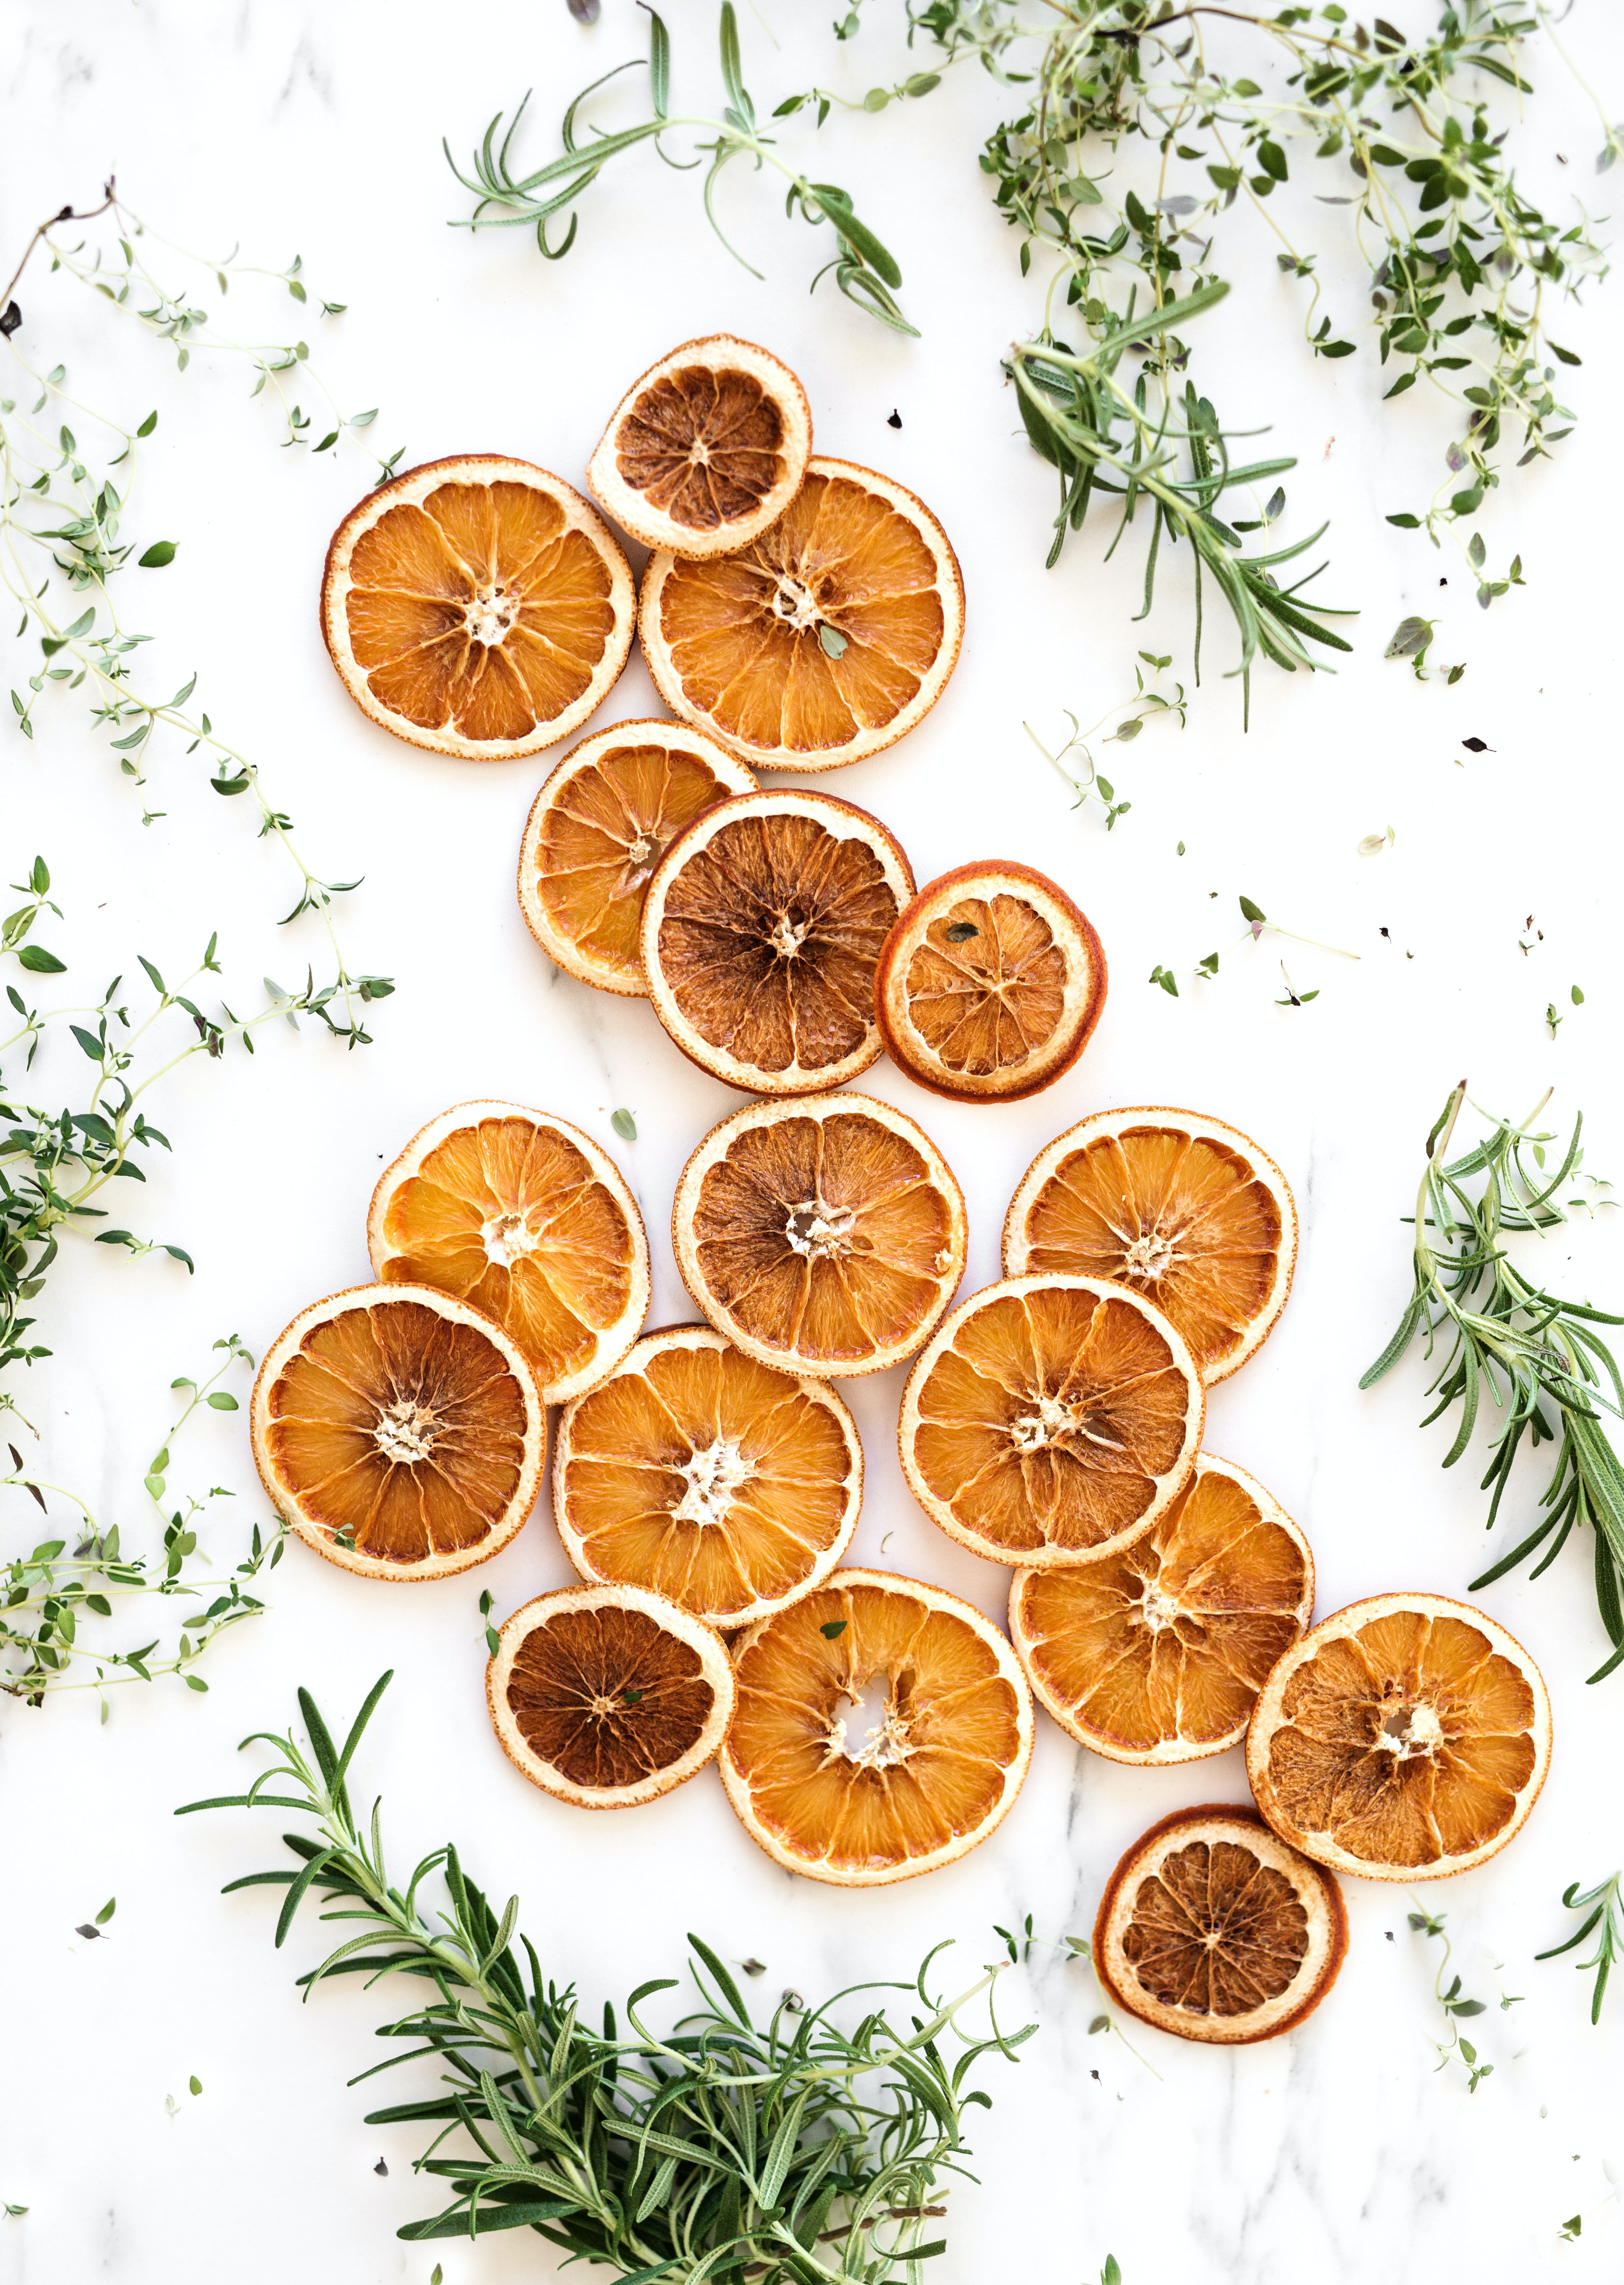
x=711, y=1477
x=528, y=1219
x=883, y=1730
x=477, y=606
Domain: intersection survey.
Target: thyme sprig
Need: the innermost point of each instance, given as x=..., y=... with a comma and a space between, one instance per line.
x=1539, y=1358
x=1074, y=758
x=1604, y=1907
x=792, y=2153
x=866, y=272
x=1457, y=2006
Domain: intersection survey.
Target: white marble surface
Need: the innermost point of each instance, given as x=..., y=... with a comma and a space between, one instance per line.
x=1334, y=2154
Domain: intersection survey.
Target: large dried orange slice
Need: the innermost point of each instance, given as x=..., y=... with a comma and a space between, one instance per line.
x=761, y=933
x=829, y=637
x=719, y=1482
x=596, y=831
x=1212, y=1929
x=706, y=450
x=882, y=1729
x=1405, y=1738
x=608, y=1696
x=1158, y=1653
x=525, y=1217
x=990, y=984
x=398, y=1433
x=477, y=606
x=1186, y=1211
x=825, y=1236
x=1050, y=1420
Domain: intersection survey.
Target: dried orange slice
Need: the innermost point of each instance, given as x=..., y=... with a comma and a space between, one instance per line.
x=1405, y=1738
x=1158, y=1653
x=398, y=1433
x=829, y=637
x=596, y=831
x=1050, y=1420
x=883, y=1730
x=706, y=450
x=477, y=606
x=825, y=1236
x=761, y=932
x=1212, y=1929
x=1186, y=1211
x=525, y=1217
x=608, y=1696
x=990, y=984
x=697, y=1471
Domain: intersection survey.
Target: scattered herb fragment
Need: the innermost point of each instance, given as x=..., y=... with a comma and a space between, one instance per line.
x=831, y=1627
x=1456, y=2005
x=624, y=1125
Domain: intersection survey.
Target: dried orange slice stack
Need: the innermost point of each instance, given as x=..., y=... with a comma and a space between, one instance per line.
x=825, y=1236
x=825, y=639
x=990, y=984
x=1051, y=1421
x=706, y=450
x=711, y=1477
x=398, y=1433
x=608, y=1696
x=1183, y=1209
x=1212, y=1929
x=1157, y=1653
x=883, y=1730
x=525, y=1217
x=477, y=606
x=597, y=829
x=1405, y=1738
x=761, y=932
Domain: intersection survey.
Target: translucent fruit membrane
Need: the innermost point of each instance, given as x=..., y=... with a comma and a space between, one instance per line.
x=482, y=611
x=400, y=1429
x=608, y=1697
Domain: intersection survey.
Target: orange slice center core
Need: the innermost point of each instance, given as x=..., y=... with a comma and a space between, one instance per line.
x=879, y=1717
x=407, y=1432
x=711, y=1478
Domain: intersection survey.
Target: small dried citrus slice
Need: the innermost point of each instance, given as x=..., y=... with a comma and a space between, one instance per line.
x=761, y=933
x=706, y=450
x=608, y=1696
x=398, y=1433
x=1186, y=1211
x=1212, y=1929
x=826, y=639
x=696, y=1471
x=883, y=1730
x=596, y=831
x=522, y=1216
x=825, y=1236
x=477, y=606
x=1156, y=1653
x=990, y=984
x=1050, y=1420
x=1405, y=1738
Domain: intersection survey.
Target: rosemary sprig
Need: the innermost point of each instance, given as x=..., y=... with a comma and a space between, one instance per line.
x=1604, y=1906
x=866, y=272
x=1538, y=1357
x=722, y=2150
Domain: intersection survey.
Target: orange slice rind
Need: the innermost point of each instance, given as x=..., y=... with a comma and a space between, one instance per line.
x=1156, y=1653
x=1405, y=1738
x=477, y=605
x=822, y=641
x=706, y=450
x=527, y=1219
x=600, y=825
x=708, y=1477
x=1212, y=1928
x=825, y=1236
x=761, y=932
x=1186, y=1210
x=608, y=1697
x=883, y=1730
x=1050, y=1421
x=398, y=1433
x=990, y=984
